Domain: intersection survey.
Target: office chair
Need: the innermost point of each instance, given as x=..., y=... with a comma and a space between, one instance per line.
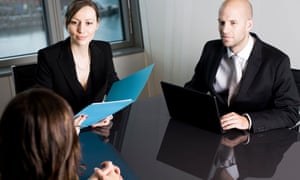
x=23, y=76
x=296, y=74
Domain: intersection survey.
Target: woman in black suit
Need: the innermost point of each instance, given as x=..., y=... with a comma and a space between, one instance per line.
x=78, y=68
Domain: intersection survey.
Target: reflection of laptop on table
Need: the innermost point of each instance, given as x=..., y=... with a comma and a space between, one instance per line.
x=189, y=149
x=192, y=107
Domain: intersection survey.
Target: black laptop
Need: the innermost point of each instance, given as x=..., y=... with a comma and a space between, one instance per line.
x=192, y=107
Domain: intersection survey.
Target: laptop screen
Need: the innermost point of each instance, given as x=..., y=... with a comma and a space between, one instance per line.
x=192, y=107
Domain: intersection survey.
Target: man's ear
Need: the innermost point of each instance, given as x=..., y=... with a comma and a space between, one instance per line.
x=249, y=24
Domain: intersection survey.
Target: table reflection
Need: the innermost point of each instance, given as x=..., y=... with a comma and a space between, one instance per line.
x=103, y=143
x=236, y=155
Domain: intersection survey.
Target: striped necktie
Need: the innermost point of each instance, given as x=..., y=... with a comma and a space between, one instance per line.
x=236, y=76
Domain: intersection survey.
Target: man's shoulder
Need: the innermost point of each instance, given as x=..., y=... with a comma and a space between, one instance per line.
x=268, y=47
x=274, y=50
x=215, y=42
x=215, y=45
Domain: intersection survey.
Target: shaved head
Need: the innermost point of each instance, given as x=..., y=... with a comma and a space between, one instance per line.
x=243, y=5
x=235, y=23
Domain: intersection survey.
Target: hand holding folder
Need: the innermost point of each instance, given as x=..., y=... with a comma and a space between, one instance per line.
x=122, y=93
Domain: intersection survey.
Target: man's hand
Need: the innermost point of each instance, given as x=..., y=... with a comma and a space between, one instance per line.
x=234, y=120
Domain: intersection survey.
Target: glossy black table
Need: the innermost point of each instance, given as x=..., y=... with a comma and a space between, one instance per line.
x=156, y=147
x=101, y=144
x=147, y=144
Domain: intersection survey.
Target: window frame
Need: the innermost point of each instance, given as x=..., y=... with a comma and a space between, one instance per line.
x=133, y=42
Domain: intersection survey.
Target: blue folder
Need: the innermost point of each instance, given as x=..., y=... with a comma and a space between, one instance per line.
x=122, y=93
x=99, y=111
x=131, y=86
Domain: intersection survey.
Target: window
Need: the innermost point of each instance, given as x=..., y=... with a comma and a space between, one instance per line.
x=21, y=24
x=29, y=25
x=110, y=23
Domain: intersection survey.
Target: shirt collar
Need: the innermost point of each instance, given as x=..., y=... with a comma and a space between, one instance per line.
x=245, y=52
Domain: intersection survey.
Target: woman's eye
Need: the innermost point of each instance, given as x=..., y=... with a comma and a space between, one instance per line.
x=73, y=22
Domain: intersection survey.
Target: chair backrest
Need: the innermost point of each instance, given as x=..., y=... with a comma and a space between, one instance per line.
x=23, y=76
x=296, y=73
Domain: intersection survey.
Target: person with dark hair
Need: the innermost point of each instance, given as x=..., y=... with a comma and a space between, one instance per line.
x=251, y=79
x=38, y=140
x=79, y=69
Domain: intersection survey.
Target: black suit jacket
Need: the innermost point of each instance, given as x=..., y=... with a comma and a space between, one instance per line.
x=56, y=71
x=267, y=90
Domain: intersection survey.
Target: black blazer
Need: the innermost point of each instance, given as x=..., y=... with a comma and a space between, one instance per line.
x=56, y=71
x=267, y=90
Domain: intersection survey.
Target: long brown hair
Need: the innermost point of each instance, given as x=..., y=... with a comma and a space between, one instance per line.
x=37, y=138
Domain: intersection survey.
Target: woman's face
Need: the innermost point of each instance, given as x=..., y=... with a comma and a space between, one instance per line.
x=83, y=26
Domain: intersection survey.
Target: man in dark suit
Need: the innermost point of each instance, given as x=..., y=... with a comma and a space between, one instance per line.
x=265, y=96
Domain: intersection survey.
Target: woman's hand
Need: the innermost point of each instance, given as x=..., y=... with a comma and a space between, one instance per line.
x=78, y=121
x=108, y=171
x=104, y=122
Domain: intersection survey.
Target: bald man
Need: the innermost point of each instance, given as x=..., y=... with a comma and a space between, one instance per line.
x=264, y=95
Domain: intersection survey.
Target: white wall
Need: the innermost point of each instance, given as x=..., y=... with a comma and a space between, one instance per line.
x=176, y=30
x=125, y=65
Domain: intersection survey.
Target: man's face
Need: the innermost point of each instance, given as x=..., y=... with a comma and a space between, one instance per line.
x=234, y=26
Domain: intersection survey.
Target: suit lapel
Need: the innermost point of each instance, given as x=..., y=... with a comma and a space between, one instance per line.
x=67, y=67
x=216, y=59
x=254, y=63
